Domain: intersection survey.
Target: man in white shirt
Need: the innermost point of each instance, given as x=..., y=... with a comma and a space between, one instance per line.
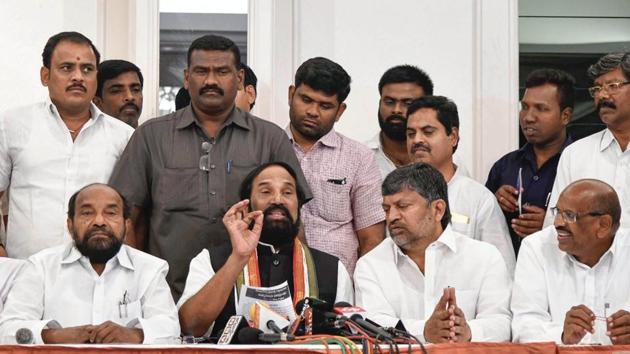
x=603, y=155
x=270, y=212
x=571, y=283
x=9, y=268
x=432, y=281
x=432, y=137
x=94, y=289
x=50, y=149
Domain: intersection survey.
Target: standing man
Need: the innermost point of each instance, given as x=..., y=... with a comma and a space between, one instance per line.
x=546, y=109
x=246, y=96
x=398, y=87
x=119, y=90
x=432, y=137
x=345, y=218
x=184, y=169
x=603, y=155
x=434, y=282
x=50, y=149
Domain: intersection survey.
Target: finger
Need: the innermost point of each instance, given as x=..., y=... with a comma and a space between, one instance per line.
x=507, y=202
x=618, y=314
x=236, y=209
x=443, y=324
x=583, y=312
x=258, y=222
x=509, y=189
x=623, y=339
x=457, y=330
x=441, y=315
x=442, y=303
x=102, y=332
x=618, y=331
x=618, y=321
x=453, y=298
x=249, y=217
x=531, y=217
x=444, y=333
x=533, y=209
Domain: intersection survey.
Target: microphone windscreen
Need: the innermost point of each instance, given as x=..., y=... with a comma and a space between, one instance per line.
x=24, y=336
x=342, y=304
x=249, y=335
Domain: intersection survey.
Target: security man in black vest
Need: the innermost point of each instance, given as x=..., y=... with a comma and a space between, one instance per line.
x=265, y=251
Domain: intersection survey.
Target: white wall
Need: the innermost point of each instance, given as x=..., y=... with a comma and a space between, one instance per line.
x=26, y=26
x=468, y=47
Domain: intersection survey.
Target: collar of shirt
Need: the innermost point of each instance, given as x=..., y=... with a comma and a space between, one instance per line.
x=236, y=117
x=95, y=113
x=331, y=139
x=605, y=259
x=526, y=152
x=447, y=238
x=71, y=254
x=375, y=142
x=607, y=140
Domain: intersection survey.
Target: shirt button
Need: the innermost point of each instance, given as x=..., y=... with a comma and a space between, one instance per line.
x=536, y=178
x=213, y=220
x=213, y=193
x=213, y=166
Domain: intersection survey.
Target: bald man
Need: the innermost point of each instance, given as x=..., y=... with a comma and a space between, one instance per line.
x=571, y=282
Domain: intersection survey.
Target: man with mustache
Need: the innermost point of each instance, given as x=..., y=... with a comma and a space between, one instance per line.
x=50, y=149
x=264, y=251
x=432, y=137
x=345, y=218
x=546, y=110
x=603, y=155
x=119, y=90
x=181, y=172
x=434, y=282
x=93, y=289
x=571, y=281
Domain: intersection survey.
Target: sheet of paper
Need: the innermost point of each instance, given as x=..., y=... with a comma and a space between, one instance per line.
x=277, y=297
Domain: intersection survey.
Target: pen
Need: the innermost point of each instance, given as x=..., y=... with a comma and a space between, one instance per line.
x=229, y=166
x=547, y=201
x=519, y=186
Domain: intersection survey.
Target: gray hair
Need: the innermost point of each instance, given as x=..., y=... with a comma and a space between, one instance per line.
x=610, y=62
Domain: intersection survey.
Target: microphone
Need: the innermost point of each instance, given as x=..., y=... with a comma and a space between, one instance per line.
x=24, y=336
x=250, y=335
x=232, y=327
x=271, y=324
x=378, y=330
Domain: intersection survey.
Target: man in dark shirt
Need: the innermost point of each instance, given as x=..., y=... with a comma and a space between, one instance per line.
x=546, y=109
x=264, y=252
x=184, y=169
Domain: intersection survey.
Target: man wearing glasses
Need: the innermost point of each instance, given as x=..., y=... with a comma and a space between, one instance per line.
x=571, y=282
x=603, y=155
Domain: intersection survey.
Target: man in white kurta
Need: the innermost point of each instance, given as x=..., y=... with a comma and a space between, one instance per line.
x=426, y=274
x=603, y=155
x=432, y=137
x=50, y=149
x=9, y=269
x=93, y=289
x=571, y=284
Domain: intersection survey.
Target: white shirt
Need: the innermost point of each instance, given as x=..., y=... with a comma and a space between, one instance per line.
x=45, y=167
x=390, y=286
x=385, y=165
x=476, y=213
x=59, y=288
x=9, y=268
x=548, y=282
x=201, y=272
x=596, y=156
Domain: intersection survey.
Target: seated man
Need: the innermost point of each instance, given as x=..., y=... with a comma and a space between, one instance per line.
x=571, y=283
x=271, y=201
x=9, y=268
x=437, y=284
x=432, y=137
x=93, y=289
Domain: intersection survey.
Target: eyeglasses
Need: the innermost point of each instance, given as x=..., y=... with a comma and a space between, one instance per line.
x=204, y=160
x=611, y=88
x=571, y=217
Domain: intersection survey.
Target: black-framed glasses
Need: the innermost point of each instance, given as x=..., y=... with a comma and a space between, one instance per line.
x=611, y=87
x=571, y=217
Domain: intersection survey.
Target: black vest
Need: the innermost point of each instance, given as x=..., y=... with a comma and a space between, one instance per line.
x=326, y=267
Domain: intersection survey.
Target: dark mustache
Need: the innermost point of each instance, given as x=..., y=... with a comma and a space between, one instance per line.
x=396, y=116
x=130, y=105
x=211, y=88
x=101, y=229
x=607, y=104
x=420, y=146
x=274, y=207
x=76, y=85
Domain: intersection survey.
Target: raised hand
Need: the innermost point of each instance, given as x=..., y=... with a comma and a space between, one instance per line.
x=507, y=197
x=237, y=221
x=437, y=327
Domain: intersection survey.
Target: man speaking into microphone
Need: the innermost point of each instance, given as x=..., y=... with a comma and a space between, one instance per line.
x=264, y=252
x=427, y=279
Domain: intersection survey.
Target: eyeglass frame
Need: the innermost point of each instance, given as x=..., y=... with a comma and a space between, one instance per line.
x=575, y=216
x=607, y=87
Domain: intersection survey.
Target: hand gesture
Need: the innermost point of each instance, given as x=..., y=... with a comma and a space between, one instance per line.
x=70, y=335
x=437, y=328
x=110, y=332
x=530, y=221
x=237, y=221
x=459, y=329
x=579, y=320
x=618, y=327
x=507, y=197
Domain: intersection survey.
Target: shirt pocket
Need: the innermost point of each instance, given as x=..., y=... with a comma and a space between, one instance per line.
x=333, y=200
x=238, y=172
x=467, y=301
x=179, y=189
x=130, y=312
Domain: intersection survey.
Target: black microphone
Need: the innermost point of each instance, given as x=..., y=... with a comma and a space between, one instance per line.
x=250, y=335
x=379, y=331
x=24, y=336
x=271, y=324
x=232, y=327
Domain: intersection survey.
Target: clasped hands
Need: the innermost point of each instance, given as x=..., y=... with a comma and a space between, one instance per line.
x=448, y=323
